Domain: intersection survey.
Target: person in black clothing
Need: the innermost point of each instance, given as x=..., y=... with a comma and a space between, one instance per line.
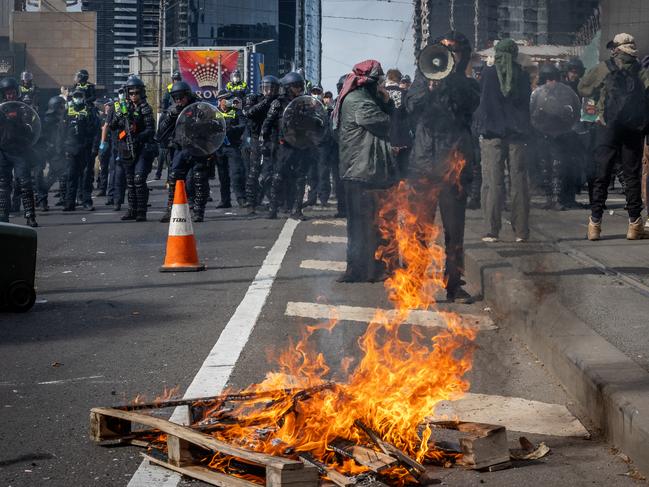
x=255, y=111
x=50, y=147
x=81, y=83
x=442, y=113
x=135, y=149
x=165, y=152
x=400, y=132
x=16, y=154
x=182, y=161
x=290, y=164
x=229, y=161
x=79, y=127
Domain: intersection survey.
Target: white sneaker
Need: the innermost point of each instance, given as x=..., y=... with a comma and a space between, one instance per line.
x=520, y=240
x=646, y=224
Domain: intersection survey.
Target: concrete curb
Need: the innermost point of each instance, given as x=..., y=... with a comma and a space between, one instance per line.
x=609, y=387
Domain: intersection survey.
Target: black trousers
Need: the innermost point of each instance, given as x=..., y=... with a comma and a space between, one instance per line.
x=290, y=169
x=613, y=145
x=452, y=207
x=363, y=236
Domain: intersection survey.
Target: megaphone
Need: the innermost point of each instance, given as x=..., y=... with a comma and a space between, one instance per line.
x=436, y=62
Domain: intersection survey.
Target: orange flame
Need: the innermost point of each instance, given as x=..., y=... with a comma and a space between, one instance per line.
x=401, y=377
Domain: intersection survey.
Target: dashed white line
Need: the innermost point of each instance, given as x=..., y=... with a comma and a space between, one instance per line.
x=216, y=370
x=429, y=319
x=332, y=239
x=334, y=223
x=324, y=265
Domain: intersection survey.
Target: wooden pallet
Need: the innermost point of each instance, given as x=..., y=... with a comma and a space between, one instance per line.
x=113, y=424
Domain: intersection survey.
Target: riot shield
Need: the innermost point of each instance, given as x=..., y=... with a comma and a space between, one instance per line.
x=200, y=129
x=20, y=125
x=305, y=122
x=554, y=109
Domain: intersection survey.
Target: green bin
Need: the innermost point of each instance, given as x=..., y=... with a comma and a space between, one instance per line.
x=17, y=267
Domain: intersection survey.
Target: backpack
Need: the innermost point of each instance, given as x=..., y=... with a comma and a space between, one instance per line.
x=626, y=104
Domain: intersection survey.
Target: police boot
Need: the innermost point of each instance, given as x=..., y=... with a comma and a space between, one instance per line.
x=132, y=203
x=15, y=200
x=170, y=201
x=4, y=202
x=198, y=215
x=142, y=197
x=30, y=210
x=296, y=212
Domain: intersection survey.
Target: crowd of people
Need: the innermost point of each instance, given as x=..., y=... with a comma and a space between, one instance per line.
x=556, y=129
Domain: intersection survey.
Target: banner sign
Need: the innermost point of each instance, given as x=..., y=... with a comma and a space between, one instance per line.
x=256, y=63
x=200, y=69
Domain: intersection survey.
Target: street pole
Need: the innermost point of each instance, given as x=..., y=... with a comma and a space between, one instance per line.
x=220, y=71
x=161, y=33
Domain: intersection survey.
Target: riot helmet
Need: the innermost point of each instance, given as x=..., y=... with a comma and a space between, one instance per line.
x=9, y=89
x=55, y=104
x=26, y=78
x=82, y=76
x=575, y=69
x=179, y=91
x=270, y=85
x=548, y=72
x=135, y=86
x=236, y=77
x=293, y=84
x=176, y=76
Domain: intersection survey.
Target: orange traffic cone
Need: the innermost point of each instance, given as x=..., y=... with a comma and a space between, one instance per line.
x=181, y=246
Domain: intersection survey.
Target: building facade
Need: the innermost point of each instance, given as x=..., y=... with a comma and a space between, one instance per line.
x=485, y=21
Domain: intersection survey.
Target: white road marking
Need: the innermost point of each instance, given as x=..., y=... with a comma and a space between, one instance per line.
x=430, y=319
x=335, y=223
x=324, y=265
x=326, y=239
x=215, y=371
x=515, y=413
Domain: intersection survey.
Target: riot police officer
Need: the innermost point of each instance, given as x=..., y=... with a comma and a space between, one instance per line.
x=229, y=161
x=81, y=82
x=256, y=109
x=133, y=119
x=79, y=128
x=28, y=90
x=16, y=154
x=237, y=86
x=291, y=164
x=181, y=161
x=51, y=149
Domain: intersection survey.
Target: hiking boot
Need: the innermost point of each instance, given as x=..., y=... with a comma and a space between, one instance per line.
x=272, y=214
x=594, y=229
x=636, y=230
x=166, y=217
x=198, y=218
x=31, y=222
x=298, y=215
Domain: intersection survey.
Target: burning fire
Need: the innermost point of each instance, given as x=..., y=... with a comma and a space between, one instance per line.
x=399, y=380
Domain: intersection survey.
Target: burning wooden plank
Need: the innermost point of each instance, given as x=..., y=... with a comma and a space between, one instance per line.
x=374, y=460
x=342, y=480
x=413, y=466
x=484, y=446
x=109, y=423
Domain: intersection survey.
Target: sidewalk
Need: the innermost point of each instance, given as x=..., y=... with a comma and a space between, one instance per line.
x=582, y=307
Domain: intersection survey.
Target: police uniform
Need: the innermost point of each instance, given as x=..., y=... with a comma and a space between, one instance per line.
x=238, y=90
x=79, y=127
x=256, y=110
x=290, y=166
x=50, y=146
x=229, y=163
x=135, y=126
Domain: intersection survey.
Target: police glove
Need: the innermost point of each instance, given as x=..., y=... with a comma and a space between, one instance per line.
x=103, y=147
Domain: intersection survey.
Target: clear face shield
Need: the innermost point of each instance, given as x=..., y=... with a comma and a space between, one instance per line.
x=236, y=78
x=269, y=89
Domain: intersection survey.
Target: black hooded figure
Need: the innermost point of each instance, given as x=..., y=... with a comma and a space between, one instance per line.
x=442, y=157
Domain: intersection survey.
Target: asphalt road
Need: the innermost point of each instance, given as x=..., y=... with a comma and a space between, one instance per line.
x=108, y=326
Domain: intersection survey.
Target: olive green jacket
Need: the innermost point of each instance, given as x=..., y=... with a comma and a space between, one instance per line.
x=592, y=85
x=364, y=139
